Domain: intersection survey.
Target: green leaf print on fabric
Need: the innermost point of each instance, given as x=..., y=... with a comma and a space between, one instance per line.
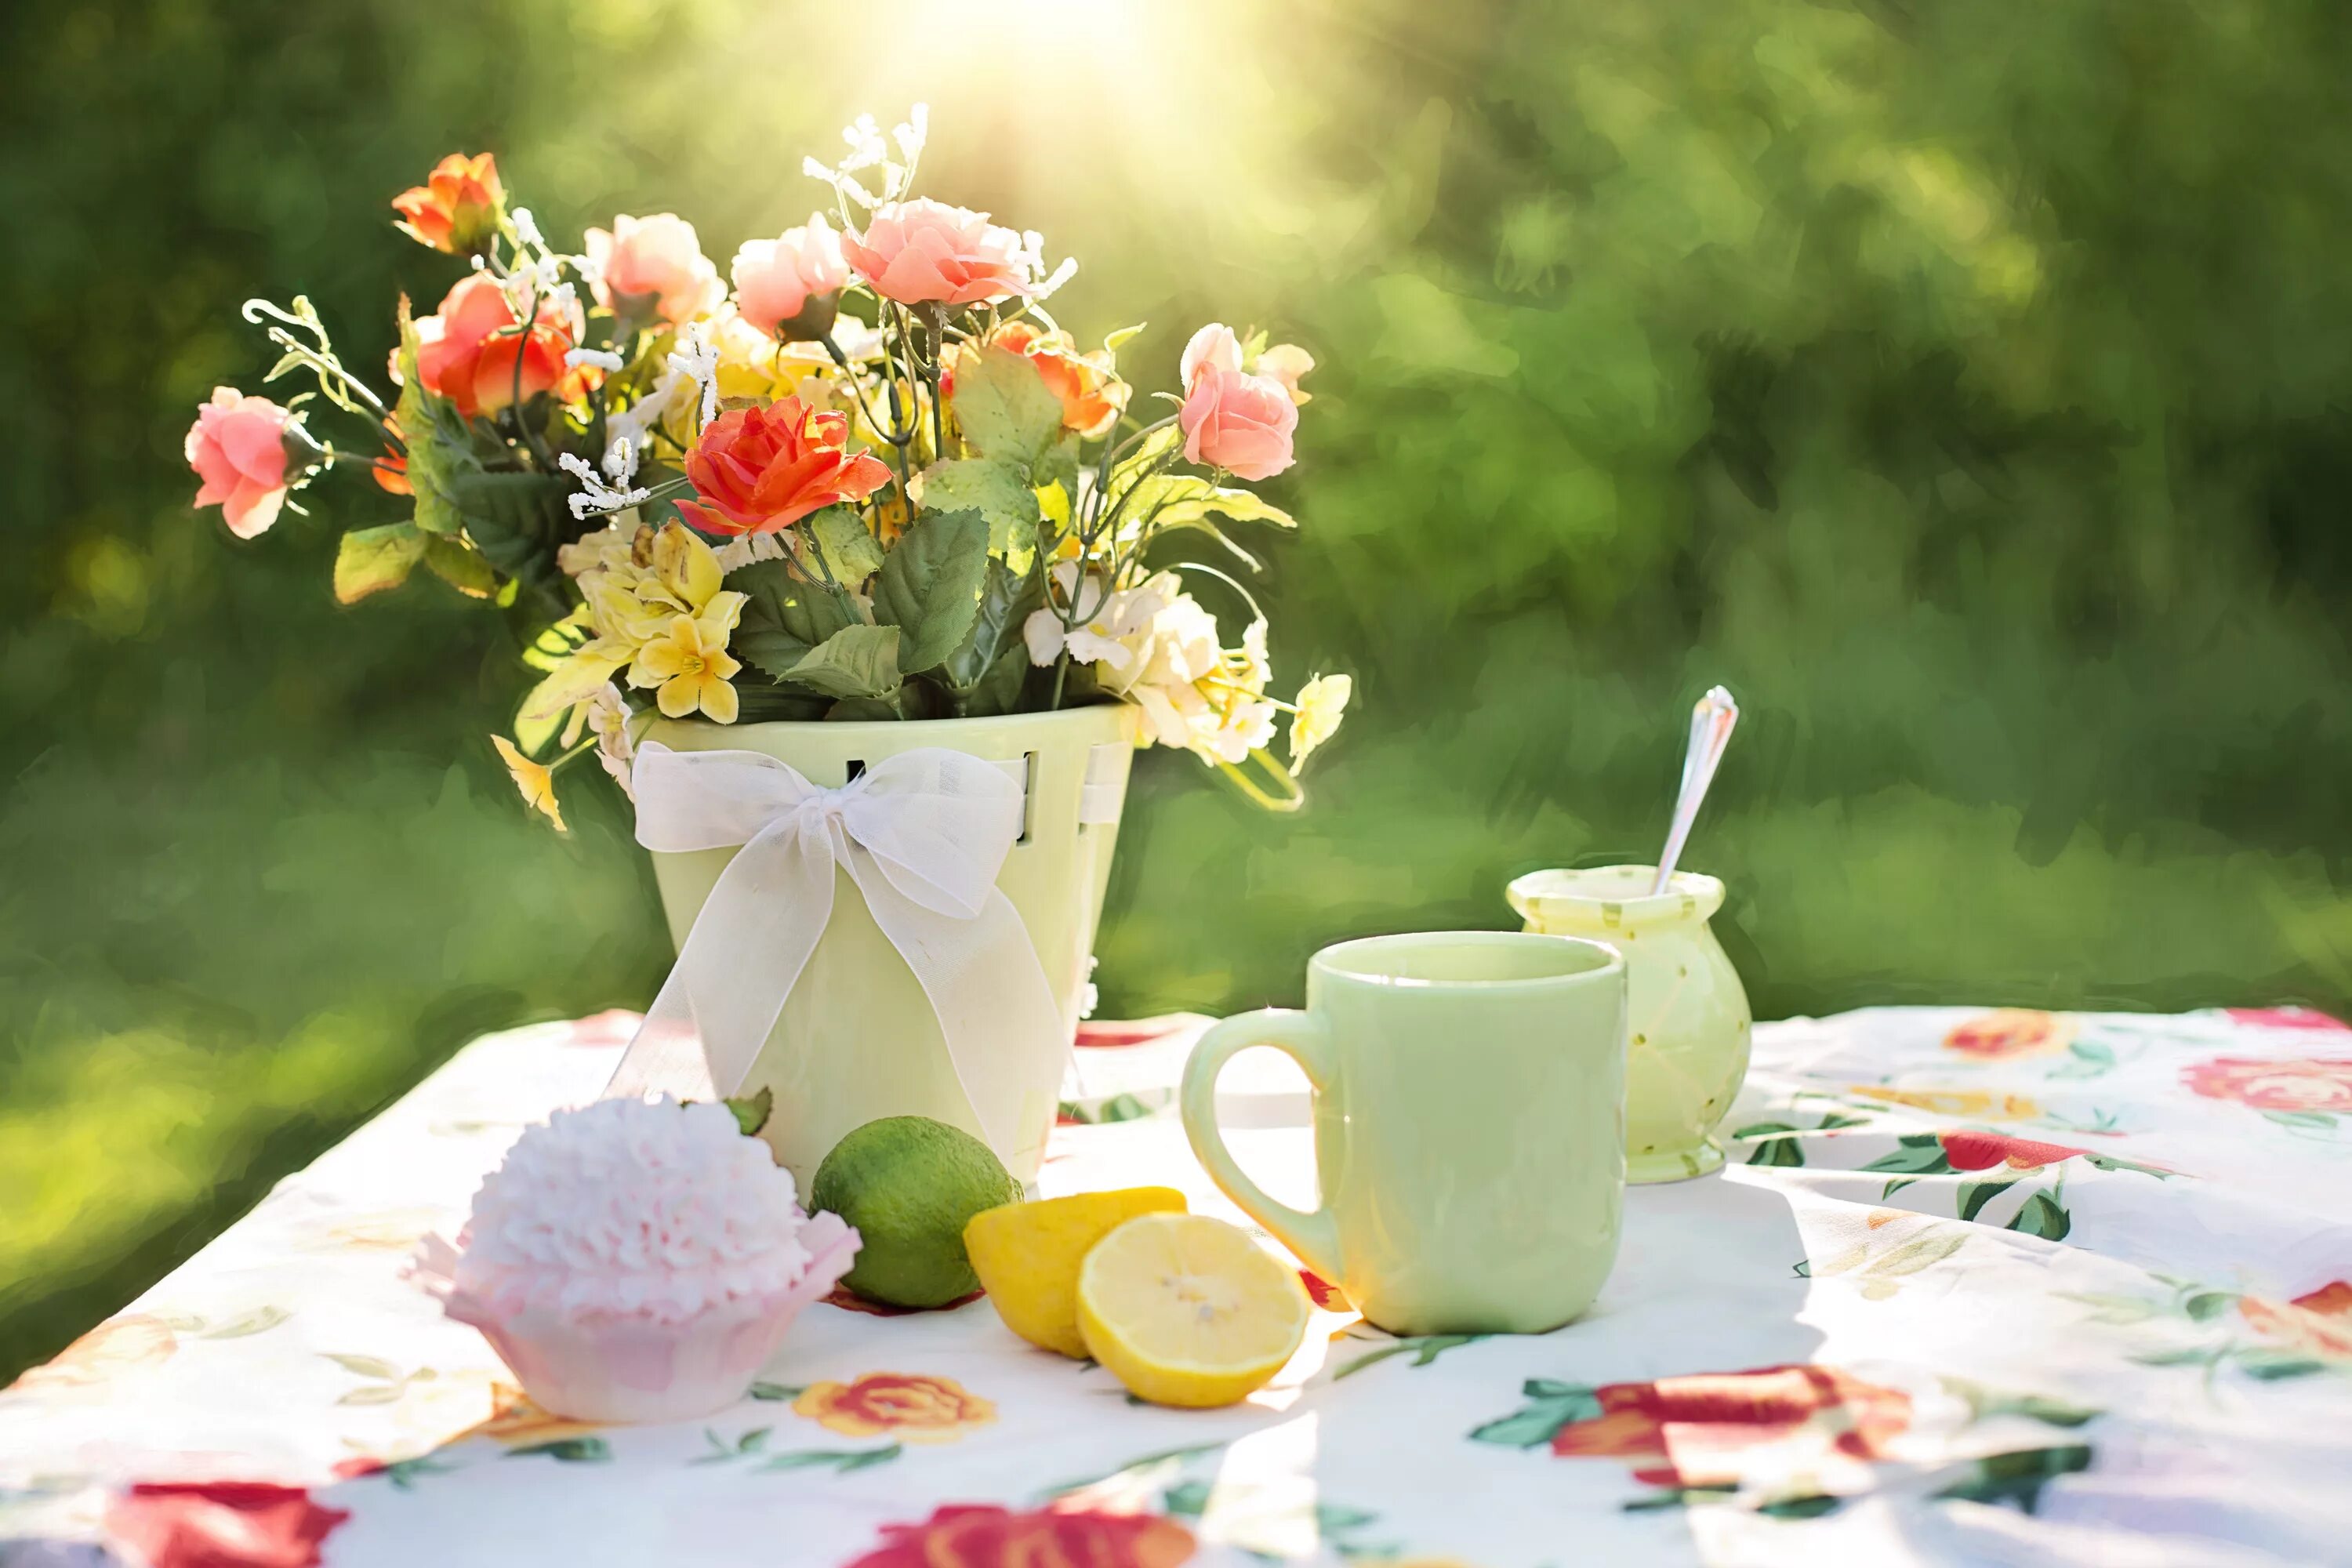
x=1424, y=1348
x=841, y=1461
x=570, y=1450
x=1552, y=1406
x=2018, y=1476
x=2086, y=1059
x=2041, y=1217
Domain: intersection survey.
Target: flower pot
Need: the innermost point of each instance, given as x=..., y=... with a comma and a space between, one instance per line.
x=1686, y=1014
x=857, y=1039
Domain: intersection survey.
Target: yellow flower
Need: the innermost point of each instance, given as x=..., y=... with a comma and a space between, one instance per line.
x=1321, y=702
x=911, y=1407
x=690, y=664
x=536, y=783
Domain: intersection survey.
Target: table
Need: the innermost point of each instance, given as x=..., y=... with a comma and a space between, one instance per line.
x=2004, y=1286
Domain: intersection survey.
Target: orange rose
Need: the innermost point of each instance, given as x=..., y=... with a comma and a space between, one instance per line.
x=2318, y=1323
x=1689, y=1431
x=467, y=350
x=2011, y=1032
x=2287, y=1083
x=457, y=208
x=968, y=1536
x=760, y=471
x=1091, y=395
x=908, y=1406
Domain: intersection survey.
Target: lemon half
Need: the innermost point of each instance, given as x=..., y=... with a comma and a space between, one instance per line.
x=1189, y=1311
x=1028, y=1256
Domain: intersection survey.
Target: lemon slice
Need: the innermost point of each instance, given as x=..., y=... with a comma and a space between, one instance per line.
x=1027, y=1256
x=1189, y=1311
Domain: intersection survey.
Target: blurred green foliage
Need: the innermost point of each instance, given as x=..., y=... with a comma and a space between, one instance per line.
x=1969, y=385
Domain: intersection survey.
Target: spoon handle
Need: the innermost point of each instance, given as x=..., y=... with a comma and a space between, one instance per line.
x=1710, y=732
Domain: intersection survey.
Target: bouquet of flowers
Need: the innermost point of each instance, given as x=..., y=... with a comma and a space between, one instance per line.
x=873, y=479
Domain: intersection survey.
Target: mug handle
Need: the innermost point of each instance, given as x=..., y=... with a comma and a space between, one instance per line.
x=1314, y=1237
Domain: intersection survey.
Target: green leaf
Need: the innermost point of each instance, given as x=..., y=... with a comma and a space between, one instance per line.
x=1149, y=453
x=856, y=662
x=998, y=490
x=570, y=1450
x=518, y=520
x=244, y=1323
x=1776, y=1143
x=1918, y=1154
x=371, y=560
x=775, y=1391
x=841, y=1461
x=458, y=564
x=2018, y=1477
x=986, y=669
x=2041, y=1217
x=1116, y=340
x=1931, y=1246
x=1005, y=408
x=433, y=459
x=2271, y=1365
x=1188, y=1500
x=1974, y=1195
x=2312, y=1118
x=784, y=618
x=752, y=1110
x=1539, y=1422
x=850, y=546
x=2184, y=1355
x=929, y=588
x=2207, y=1305
x=367, y=1366
x=2088, y=1058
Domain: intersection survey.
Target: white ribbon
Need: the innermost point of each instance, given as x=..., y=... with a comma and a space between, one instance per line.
x=923, y=836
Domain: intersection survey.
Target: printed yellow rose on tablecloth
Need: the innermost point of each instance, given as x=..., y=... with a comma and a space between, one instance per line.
x=910, y=1406
x=1974, y=1103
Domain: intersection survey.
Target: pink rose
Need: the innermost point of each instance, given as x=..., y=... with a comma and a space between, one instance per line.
x=1231, y=419
x=237, y=445
x=653, y=264
x=2280, y=1083
x=916, y=251
x=775, y=279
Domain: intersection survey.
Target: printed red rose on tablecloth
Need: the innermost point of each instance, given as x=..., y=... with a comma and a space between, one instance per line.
x=965, y=1536
x=1970, y=1151
x=2288, y=1083
x=1708, y=1429
x=2318, y=1323
x=2008, y=1033
x=221, y=1524
x=2288, y=1018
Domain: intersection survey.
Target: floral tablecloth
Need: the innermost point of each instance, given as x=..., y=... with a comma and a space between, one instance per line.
x=2006, y=1287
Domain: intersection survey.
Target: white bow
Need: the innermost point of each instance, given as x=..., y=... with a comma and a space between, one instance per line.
x=922, y=834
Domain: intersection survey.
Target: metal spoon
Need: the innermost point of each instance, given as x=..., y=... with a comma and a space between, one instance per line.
x=1710, y=732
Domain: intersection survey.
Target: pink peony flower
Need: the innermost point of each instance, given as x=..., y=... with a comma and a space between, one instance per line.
x=237, y=445
x=926, y=250
x=775, y=279
x=1231, y=419
x=653, y=264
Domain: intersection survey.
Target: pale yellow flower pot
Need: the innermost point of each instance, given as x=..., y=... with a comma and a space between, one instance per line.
x=857, y=1039
x=1687, y=1022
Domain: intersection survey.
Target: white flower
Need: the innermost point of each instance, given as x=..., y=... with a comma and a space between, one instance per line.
x=1321, y=702
x=526, y=229
x=595, y=497
x=869, y=150
x=620, y=463
x=697, y=360
x=603, y=359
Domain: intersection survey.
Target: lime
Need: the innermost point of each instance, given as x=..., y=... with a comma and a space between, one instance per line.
x=909, y=1184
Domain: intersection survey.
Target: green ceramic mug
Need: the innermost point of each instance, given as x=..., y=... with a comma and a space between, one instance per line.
x=1469, y=1125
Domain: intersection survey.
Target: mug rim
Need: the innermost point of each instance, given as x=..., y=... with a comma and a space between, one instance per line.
x=1327, y=961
